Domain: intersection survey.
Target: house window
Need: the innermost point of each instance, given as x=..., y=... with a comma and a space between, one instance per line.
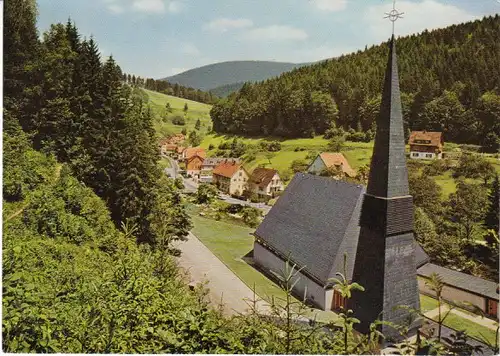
x=414, y=154
x=428, y=155
x=241, y=173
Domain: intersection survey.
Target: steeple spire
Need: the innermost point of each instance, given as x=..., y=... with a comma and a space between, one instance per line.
x=388, y=172
x=385, y=256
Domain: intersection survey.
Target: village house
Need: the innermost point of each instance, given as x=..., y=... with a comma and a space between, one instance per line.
x=426, y=145
x=327, y=160
x=230, y=178
x=210, y=163
x=265, y=183
x=193, y=166
x=191, y=151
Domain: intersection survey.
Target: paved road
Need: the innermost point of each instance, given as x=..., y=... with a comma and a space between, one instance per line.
x=173, y=170
x=232, y=200
x=203, y=265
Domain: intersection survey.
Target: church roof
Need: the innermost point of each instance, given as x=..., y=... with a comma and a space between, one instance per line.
x=314, y=223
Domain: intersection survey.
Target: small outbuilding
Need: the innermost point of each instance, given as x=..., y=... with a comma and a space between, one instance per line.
x=461, y=287
x=327, y=160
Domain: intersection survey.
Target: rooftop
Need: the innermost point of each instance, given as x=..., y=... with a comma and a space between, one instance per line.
x=262, y=176
x=226, y=169
x=338, y=160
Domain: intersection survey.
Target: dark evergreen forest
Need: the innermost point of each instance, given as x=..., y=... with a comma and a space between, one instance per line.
x=450, y=82
x=165, y=87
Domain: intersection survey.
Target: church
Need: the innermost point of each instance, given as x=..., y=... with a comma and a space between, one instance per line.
x=317, y=220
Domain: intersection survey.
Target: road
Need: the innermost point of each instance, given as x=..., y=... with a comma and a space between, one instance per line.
x=174, y=167
x=231, y=200
x=223, y=284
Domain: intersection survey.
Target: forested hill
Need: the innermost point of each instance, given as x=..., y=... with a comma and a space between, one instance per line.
x=449, y=80
x=224, y=73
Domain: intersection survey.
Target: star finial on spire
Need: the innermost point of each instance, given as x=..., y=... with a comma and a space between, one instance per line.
x=393, y=15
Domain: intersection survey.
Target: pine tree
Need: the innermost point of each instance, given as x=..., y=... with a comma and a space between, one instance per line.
x=197, y=126
x=491, y=220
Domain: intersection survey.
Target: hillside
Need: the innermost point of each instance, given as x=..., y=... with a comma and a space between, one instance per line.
x=162, y=118
x=224, y=73
x=225, y=90
x=449, y=81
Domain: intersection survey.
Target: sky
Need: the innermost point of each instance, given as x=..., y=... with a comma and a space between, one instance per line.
x=159, y=38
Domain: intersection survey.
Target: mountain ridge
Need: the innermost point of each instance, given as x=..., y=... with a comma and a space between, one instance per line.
x=227, y=73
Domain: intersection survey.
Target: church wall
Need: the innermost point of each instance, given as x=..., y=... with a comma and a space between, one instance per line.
x=315, y=293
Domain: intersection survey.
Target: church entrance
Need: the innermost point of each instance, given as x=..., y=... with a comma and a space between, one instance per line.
x=338, y=301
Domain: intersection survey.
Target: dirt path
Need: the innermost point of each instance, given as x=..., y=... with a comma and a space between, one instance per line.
x=223, y=284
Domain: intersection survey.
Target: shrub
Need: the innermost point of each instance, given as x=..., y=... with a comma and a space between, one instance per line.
x=211, y=147
x=274, y=146
x=356, y=137
x=206, y=194
x=336, y=143
x=224, y=146
x=251, y=216
x=178, y=120
x=234, y=209
x=436, y=168
x=299, y=165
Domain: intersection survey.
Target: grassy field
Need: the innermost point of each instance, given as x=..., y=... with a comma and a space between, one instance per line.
x=427, y=303
x=163, y=119
x=472, y=329
x=230, y=243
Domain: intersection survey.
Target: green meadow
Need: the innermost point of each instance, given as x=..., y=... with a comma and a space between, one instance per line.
x=163, y=119
x=357, y=153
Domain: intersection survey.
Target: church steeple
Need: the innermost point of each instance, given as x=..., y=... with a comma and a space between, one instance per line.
x=385, y=256
x=388, y=172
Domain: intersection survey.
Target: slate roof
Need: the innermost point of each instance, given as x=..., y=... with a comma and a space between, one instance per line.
x=315, y=222
x=331, y=159
x=227, y=169
x=433, y=139
x=461, y=280
x=262, y=176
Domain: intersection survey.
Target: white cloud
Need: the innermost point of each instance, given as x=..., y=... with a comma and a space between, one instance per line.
x=418, y=16
x=225, y=24
x=190, y=49
x=276, y=33
x=330, y=5
x=175, y=7
x=116, y=9
x=151, y=6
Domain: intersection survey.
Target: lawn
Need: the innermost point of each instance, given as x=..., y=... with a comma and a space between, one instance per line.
x=473, y=329
x=163, y=120
x=230, y=243
x=427, y=303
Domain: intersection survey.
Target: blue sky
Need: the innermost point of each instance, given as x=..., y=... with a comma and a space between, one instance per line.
x=158, y=38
